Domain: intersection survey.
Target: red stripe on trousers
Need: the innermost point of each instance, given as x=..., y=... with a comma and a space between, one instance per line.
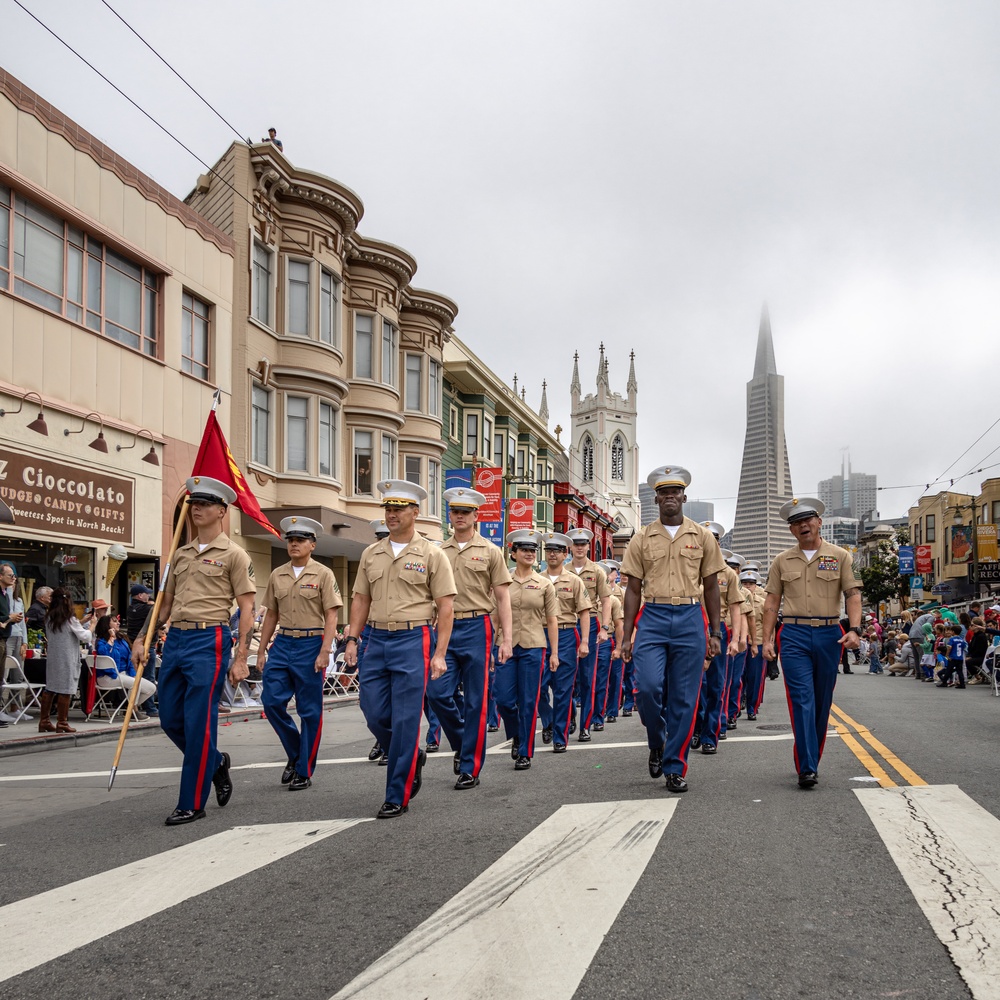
x=788, y=698
x=416, y=750
x=480, y=753
x=569, y=714
x=208, y=722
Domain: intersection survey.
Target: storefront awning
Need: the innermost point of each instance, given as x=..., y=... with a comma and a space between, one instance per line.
x=345, y=535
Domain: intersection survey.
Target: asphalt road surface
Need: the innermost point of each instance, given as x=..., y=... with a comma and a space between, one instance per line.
x=580, y=878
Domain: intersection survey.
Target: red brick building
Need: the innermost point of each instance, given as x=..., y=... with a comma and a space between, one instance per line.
x=574, y=510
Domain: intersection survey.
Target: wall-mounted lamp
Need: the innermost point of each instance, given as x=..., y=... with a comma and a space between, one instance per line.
x=38, y=425
x=150, y=456
x=98, y=444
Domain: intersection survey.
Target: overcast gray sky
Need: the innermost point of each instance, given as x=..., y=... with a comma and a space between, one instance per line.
x=643, y=173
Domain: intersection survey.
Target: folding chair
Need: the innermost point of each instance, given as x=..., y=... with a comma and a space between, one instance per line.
x=338, y=683
x=248, y=691
x=106, y=689
x=15, y=682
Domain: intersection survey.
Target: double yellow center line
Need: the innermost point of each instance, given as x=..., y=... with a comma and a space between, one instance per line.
x=851, y=732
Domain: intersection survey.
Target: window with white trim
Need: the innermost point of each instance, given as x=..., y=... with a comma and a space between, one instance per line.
x=434, y=487
x=588, y=458
x=471, y=434
x=487, y=438
x=414, y=380
x=327, y=439
x=390, y=353
x=433, y=387
x=195, y=335
x=363, y=345
x=296, y=433
x=618, y=458
x=260, y=426
x=260, y=283
x=329, y=308
x=298, y=298
x=411, y=469
x=453, y=422
x=363, y=456
x=388, y=457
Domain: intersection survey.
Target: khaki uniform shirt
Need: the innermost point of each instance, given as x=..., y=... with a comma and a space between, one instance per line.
x=206, y=583
x=596, y=582
x=405, y=588
x=571, y=593
x=302, y=602
x=617, y=609
x=757, y=600
x=478, y=567
x=673, y=567
x=730, y=594
x=532, y=603
x=812, y=589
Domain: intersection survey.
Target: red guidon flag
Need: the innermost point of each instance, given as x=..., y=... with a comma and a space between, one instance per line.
x=216, y=461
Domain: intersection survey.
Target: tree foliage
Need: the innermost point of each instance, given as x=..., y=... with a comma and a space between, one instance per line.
x=881, y=579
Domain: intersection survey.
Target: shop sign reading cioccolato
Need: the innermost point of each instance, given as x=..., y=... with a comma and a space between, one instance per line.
x=67, y=499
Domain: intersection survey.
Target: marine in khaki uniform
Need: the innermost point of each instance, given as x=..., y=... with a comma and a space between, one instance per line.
x=482, y=582
x=573, y=621
x=609, y=663
x=712, y=719
x=807, y=583
x=207, y=575
x=754, y=673
x=599, y=591
x=302, y=600
x=673, y=562
x=533, y=609
x=737, y=662
x=403, y=583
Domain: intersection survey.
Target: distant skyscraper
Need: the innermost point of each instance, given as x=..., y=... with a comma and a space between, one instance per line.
x=697, y=510
x=851, y=494
x=765, y=479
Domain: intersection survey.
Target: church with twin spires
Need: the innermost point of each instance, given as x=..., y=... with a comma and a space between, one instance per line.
x=603, y=448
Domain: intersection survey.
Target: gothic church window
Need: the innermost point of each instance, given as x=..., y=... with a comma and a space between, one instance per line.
x=618, y=458
x=588, y=458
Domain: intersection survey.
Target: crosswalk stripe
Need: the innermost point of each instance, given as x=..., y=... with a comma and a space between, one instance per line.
x=944, y=845
x=138, y=890
x=537, y=916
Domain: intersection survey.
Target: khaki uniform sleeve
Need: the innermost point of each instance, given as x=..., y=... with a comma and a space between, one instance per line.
x=362, y=585
x=270, y=601
x=848, y=581
x=171, y=582
x=734, y=595
x=773, y=585
x=551, y=605
x=499, y=574
x=712, y=561
x=442, y=579
x=632, y=564
x=241, y=573
x=582, y=595
x=617, y=609
x=330, y=593
x=603, y=587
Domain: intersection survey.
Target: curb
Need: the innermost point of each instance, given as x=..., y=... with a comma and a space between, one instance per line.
x=39, y=743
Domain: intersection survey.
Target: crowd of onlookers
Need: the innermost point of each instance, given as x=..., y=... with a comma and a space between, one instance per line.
x=942, y=646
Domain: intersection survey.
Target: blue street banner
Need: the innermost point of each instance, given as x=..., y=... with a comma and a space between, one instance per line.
x=492, y=530
x=907, y=560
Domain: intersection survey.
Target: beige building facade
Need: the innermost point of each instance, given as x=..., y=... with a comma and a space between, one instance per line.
x=115, y=329
x=336, y=356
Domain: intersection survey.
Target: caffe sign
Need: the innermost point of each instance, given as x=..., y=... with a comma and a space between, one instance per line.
x=67, y=499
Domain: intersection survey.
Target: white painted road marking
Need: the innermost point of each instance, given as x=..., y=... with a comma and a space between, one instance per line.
x=43, y=927
x=502, y=750
x=944, y=845
x=535, y=918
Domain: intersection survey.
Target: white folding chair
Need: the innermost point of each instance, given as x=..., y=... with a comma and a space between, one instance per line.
x=248, y=692
x=105, y=689
x=333, y=684
x=16, y=683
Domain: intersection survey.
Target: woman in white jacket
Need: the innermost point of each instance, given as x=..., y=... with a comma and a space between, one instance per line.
x=63, y=635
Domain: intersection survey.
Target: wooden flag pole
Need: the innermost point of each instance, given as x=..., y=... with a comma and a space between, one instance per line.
x=150, y=632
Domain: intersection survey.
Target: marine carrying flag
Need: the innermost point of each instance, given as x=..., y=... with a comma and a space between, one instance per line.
x=216, y=461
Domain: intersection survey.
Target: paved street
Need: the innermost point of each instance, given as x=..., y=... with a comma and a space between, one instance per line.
x=746, y=887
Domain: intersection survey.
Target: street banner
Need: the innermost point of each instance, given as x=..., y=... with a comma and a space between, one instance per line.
x=454, y=478
x=986, y=540
x=489, y=482
x=216, y=461
x=925, y=564
x=961, y=543
x=906, y=558
x=520, y=514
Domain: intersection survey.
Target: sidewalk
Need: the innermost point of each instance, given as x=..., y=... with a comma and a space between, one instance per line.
x=25, y=738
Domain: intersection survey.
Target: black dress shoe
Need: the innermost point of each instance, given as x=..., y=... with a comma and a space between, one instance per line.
x=383, y=761
x=180, y=816
x=390, y=810
x=299, y=782
x=675, y=783
x=493, y=729
x=627, y=713
x=696, y=741
x=418, y=777
x=807, y=779
x=722, y=734
x=223, y=783
x=598, y=727
x=846, y=671
x=456, y=764
x=547, y=735
x=558, y=747
x=522, y=764
x=584, y=736
x=375, y=752
x=288, y=773
x=466, y=781
x=708, y=748
x=655, y=763
x=572, y=727
x=515, y=749
x=610, y=718
x=752, y=716
x=432, y=747
x=732, y=724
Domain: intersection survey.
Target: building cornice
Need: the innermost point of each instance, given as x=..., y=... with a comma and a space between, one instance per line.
x=432, y=304
x=384, y=256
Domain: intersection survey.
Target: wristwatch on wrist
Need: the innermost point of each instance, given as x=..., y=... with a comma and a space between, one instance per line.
x=715, y=635
x=350, y=638
x=856, y=629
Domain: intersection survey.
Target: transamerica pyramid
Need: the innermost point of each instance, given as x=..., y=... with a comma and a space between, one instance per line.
x=765, y=480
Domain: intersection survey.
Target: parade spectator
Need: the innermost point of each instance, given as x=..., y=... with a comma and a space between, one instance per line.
x=890, y=648
x=35, y=615
x=874, y=653
x=956, y=648
x=63, y=636
x=8, y=618
x=140, y=605
x=907, y=659
x=120, y=650
x=272, y=136
x=979, y=643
